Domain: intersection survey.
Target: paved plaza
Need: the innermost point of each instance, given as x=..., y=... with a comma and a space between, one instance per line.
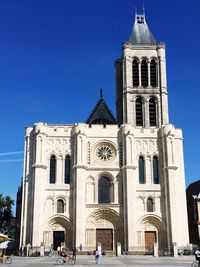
x=141, y=261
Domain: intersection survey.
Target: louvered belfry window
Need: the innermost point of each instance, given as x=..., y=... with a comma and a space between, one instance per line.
x=141, y=170
x=153, y=73
x=155, y=171
x=152, y=112
x=52, y=174
x=144, y=73
x=67, y=169
x=139, y=112
x=135, y=73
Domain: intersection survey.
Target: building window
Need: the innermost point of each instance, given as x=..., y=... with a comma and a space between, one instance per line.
x=141, y=170
x=52, y=175
x=67, y=169
x=60, y=206
x=139, y=112
x=144, y=73
x=135, y=73
x=149, y=205
x=155, y=171
x=153, y=73
x=104, y=190
x=152, y=112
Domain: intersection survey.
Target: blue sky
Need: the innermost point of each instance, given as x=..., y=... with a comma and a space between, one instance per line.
x=55, y=55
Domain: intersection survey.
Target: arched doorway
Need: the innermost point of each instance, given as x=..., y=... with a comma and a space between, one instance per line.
x=151, y=229
x=104, y=226
x=58, y=232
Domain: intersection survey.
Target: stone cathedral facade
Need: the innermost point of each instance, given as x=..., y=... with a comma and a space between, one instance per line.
x=110, y=180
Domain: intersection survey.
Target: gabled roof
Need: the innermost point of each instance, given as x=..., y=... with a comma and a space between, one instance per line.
x=101, y=113
x=141, y=33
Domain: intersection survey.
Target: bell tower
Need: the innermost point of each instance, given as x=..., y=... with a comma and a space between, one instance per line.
x=141, y=87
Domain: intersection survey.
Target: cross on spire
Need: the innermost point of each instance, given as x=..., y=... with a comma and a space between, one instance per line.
x=101, y=93
x=143, y=8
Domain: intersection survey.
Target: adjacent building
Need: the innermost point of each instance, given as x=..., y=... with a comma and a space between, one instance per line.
x=193, y=205
x=110, y=180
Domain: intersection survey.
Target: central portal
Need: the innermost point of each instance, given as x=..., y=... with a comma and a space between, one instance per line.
x=150, y=239
x=58, y=238
x=105, y=237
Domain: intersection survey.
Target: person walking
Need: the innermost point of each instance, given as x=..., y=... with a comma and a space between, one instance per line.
x=97, y=256
x=74, y=253
x=51, y=252
x=58, y=250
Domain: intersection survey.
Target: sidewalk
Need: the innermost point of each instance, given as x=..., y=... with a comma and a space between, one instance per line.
x=109, y=261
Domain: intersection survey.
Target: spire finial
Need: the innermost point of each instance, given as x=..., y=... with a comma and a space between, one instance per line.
x=135, y=13
x=143, y=8
x=101, y=93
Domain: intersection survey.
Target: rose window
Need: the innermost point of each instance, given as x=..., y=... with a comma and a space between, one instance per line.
x=105, y=152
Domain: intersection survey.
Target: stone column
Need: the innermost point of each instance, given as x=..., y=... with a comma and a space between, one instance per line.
x=59, y=171
x=155, y=250
x=146, y=113
x=148, y=170
x=149, y=74
x=140, y=79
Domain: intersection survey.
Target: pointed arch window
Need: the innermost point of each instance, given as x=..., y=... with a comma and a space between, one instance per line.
x=52, y=174
x=139, y=111
x=104, y=190
x=153, y=73
x=144, y=73
x=156, y=179
x=67, y=169
x=60, y=206
x=141, y=170
x=150, y=205
x=152, y=112
x=135, y=73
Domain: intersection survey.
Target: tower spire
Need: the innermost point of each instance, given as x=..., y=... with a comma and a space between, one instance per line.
x=141, y=33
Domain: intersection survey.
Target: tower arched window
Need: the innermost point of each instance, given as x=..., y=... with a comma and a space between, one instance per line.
x=141, y=170
x=152, y=112
x=149, y=204
x=52, y=174
x=60, y=206
x=104, y=190
x=144, y=73
x=153, y=73
x=156, y=179
x=139, y=111
x=67, y=169
x=135, y=73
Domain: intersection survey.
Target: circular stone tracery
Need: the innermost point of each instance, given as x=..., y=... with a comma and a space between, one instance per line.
x=105, y=152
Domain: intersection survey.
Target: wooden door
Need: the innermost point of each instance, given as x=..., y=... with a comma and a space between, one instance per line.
x=150, y=239
x=105, y=237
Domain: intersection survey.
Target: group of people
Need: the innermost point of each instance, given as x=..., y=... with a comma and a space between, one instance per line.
x=64, y=253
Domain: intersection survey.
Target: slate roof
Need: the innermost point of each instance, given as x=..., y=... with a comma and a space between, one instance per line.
x=141, y=33
x=101, y=114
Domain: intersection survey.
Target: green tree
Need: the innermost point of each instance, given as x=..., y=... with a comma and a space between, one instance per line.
x=6, y=216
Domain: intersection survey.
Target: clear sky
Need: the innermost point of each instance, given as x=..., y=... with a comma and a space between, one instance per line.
x=55, y=55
